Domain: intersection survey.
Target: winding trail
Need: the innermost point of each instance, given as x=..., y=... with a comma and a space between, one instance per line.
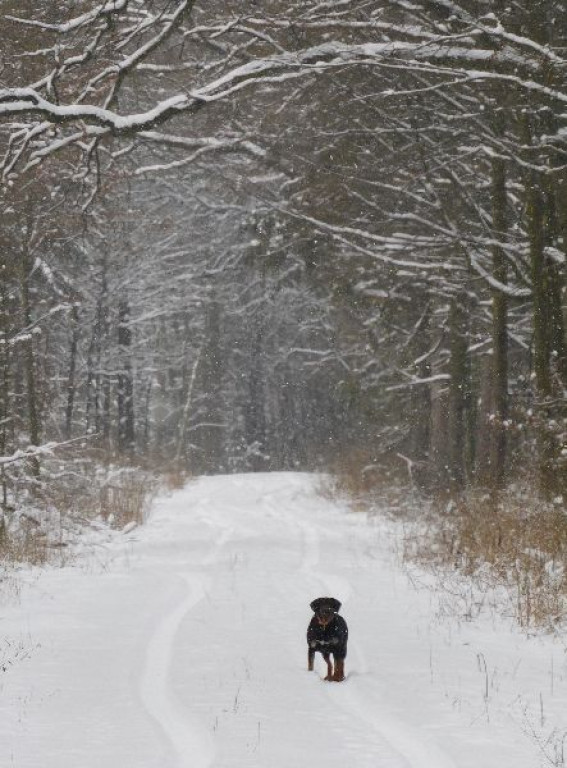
x=186, y=649
x=396, y=740
x=191, y=743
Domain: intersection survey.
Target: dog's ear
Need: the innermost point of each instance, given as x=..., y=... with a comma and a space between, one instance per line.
x=325, y=602
x=317, y=604
x=335, y=604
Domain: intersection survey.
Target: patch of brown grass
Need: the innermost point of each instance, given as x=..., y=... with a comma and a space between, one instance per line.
x=125, y=498
x=513, y=540
x=30, y=545
x=175, y=479
x=373, y=480
x=506, y=550
x=74, y=491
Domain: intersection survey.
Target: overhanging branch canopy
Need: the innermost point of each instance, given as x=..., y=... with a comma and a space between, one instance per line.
x=76, y=103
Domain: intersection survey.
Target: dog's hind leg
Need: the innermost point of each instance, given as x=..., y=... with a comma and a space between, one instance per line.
x=327, y=658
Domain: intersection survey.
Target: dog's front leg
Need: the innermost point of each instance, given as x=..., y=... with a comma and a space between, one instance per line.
x=327, y=658
x=339, y=675
x=310, y=659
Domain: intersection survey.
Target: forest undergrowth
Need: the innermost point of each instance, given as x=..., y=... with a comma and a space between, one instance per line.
x=503, y=552
x=75, y=494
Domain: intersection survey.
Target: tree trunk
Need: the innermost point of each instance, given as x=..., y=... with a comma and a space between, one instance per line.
x=28, y=356
x=458, y=389
x=188, y=393
x=211, y=376
x=420, y=395
x=125, y=394
x=255, y=414
x=6, y=415
x=499, y=415
x=71, y=384
x=559, y=323
x=96, y=380
x=541, y=306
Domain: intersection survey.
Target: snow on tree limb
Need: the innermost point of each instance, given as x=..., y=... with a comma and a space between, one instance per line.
x=457, y=57
x=14, y=101
x=113, y=7
x=33, y=451
x=414, y=382
x=197, y=147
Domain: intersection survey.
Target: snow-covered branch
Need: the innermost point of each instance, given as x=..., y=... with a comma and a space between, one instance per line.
x=34, y=451
x=87, y=104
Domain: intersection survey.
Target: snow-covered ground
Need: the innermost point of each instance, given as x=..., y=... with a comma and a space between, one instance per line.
x=182, y=645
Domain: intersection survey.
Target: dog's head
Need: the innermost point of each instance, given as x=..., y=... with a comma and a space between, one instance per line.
x=324, y=615
x=324, y=608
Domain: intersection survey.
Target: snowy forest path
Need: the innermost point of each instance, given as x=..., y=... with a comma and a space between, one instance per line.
x=187, y=648
x=191, y=744
x=360, y=700
x=189, y=741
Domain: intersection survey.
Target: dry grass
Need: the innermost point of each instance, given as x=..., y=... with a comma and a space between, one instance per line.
x=125, y=498
x=506, y=550
x=380, y=481
x=175, y=479
x=75, y=492
x=29, y=545
x=515, y=541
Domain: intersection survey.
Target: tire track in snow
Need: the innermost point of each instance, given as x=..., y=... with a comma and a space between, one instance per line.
x=189, y=740
x=414, y=750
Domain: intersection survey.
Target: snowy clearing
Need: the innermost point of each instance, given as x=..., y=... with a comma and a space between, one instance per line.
x=182, y=645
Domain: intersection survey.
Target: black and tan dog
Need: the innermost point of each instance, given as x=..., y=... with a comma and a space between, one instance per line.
x=327, y=634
